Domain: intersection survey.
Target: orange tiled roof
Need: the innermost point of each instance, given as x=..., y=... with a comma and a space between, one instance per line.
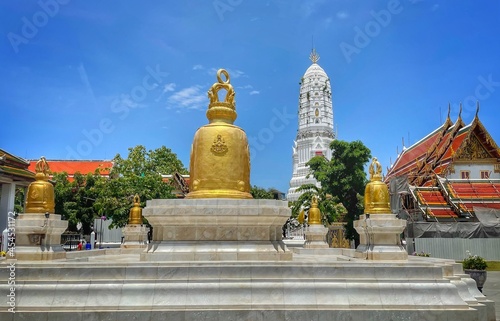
x=433, y=203
x=435, y=152
x=73, y=166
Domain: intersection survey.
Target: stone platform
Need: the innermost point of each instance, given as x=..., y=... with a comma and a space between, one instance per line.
x=310, y=287
x=216, y=230
x=39, y=237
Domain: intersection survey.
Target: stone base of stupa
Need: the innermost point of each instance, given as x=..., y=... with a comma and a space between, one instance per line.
x=310, y=287
x=38, y=237
x=216, y=230
x=379, y=236
x=316, y=237
x=134, y=236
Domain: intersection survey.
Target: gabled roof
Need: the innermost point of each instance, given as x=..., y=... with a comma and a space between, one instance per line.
x=435, y=152
x=73, y=166
x=411, y=159
x=14, y=167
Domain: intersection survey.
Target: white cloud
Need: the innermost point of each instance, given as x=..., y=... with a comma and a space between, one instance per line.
x=254, y=92
x=127, y=101
x=197, y=67
x=245, y=87
x=310, y=7
x=169, y=87
x=233, y=73
x=342, y=15
x=188, y=98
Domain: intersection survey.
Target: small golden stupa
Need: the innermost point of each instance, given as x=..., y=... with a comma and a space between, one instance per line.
x=40, y=196
x=314, y=217
x=376, y=192
x=135, y=216
x=220, y=158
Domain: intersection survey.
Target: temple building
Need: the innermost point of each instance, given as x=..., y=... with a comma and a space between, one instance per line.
x=14, y=175
x=315, y=118
x=450, y=178
x=71, y=167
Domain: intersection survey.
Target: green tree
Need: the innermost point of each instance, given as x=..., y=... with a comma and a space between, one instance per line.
x=329, y=206
x=344, y=177
x=139, y=173
x=75, y=200
x=262, y=193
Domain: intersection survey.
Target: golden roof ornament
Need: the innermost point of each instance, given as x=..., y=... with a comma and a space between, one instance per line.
x=40, y=197
x=220, y=158
x=314, y=217
x=135, y=216
x=314, y=56
x=376, y=192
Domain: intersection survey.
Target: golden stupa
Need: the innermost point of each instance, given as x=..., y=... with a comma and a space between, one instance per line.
x=135, y=216
x=314, y=217
x=220, y=158
x=40, y=196
x=376, y=192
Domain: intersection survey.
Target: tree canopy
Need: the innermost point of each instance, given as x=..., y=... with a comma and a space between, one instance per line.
x=330, y=207
x=139, y=173
x=262, y=193
x=92, y=195
x=344, y=177
x=75, y=199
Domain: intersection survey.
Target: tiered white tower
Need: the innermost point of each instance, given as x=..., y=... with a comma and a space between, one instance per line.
x=315, y=131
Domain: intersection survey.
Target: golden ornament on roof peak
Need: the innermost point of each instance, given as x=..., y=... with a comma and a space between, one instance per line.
x=314, y=56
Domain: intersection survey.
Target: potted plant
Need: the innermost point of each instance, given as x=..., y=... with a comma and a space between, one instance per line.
x=475, y=266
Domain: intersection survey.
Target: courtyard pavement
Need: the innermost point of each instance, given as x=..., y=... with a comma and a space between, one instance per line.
x=491, y=290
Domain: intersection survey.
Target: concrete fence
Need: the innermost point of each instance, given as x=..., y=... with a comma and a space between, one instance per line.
x=456, y=248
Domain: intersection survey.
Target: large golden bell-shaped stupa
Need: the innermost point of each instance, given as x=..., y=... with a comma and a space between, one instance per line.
x=220, y=158
x=40, y=197
x=376, y=192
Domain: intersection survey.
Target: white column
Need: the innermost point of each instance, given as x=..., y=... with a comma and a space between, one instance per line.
x=6, y=202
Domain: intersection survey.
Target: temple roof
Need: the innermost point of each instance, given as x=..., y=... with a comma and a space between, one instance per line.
x=73, y=166
x=14, y=167
x=436, y=151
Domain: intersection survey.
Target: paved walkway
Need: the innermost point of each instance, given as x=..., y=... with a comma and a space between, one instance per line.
x=491, y=290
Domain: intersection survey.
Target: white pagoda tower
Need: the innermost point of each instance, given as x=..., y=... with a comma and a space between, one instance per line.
x=315, y=131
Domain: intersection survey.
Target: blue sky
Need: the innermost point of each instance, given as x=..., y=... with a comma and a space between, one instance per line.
x=88, y=79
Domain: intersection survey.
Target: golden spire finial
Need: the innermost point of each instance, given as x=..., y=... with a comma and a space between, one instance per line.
x=314, y=56
x=221, y=110
x=375, y=170
x=42, y=169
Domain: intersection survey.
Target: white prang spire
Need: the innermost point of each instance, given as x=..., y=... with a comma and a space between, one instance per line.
x=315, y=132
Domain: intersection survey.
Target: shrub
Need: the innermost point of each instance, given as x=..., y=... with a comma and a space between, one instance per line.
x=474, y=262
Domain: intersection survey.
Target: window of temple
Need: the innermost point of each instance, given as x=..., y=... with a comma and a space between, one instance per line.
x=485, y=174
x=465, y=174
